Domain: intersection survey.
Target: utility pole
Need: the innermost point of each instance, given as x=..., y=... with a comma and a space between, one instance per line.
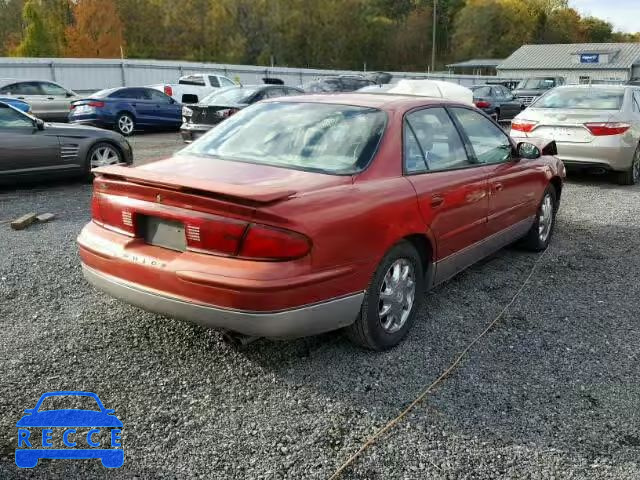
x=433, y=41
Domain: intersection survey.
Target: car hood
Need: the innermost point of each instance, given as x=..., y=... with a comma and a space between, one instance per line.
x=72, y=129
x=249, y=181
x=69, y=418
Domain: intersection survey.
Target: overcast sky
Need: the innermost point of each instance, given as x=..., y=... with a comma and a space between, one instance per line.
x=623, y=14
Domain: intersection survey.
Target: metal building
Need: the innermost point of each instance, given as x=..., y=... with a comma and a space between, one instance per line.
x=576, y=62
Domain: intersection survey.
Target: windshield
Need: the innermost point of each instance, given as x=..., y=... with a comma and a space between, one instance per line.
x=582, y=98
x=229, y=95
x=537, y=83
x=336, y=139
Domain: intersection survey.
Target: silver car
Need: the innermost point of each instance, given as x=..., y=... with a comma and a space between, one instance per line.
x=49, y=101
x=596, y=127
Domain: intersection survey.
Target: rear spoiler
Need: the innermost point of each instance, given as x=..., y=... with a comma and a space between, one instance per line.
x=250, y=193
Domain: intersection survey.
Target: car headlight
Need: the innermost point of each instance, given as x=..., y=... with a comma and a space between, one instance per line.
x=186, y=112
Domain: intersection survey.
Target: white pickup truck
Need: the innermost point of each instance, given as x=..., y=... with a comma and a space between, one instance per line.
x=193, y=88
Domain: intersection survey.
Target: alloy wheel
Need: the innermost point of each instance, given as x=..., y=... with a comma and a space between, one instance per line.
x=545, y=218
x=397, y=295
x=104, y=155
x=125, y=124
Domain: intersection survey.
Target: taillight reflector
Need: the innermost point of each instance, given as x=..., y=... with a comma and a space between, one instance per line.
x=263, y=242
x=601, y=129
x=96, y=104
x=482, y=104
x=525, y=126
x=168, y=90
x=113, y=216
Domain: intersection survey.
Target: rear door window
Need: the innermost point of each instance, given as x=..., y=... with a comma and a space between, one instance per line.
x=490, y=144
x=157, y=96
x=213, y=80
x=22, y=88
x=53, y=89
x=432, y=142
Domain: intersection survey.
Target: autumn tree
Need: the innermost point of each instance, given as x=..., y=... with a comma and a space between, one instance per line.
x=10, y=25
x=96, y=31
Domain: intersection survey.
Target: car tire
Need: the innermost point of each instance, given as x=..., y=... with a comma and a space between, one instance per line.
x=100, y=155
x=125, y=124
x=391, y=301
x=631, y=176
x=539, y=235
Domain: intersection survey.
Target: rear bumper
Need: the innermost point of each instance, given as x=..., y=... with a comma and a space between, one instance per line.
x=297, y=322
x=596, y=154
x=191, y=132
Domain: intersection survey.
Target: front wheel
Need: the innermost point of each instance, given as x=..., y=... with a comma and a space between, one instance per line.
x=539, y=236
x=125, y=124
x=100, y=155
x=391, y=301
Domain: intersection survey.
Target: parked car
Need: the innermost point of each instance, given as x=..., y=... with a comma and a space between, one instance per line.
x=200, y=118
x=303, y=215
x=509, y=84
x=128, y=109
x=531, y=88
x=595, y=127
x=376, y=88
x=49, y=100
x=193, y=88
x=496, y=101
x=340, y=83
x=31, y=148
x=19, y=104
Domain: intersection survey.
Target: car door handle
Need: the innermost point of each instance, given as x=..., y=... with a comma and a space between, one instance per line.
x=437, y=200
x=498, y=187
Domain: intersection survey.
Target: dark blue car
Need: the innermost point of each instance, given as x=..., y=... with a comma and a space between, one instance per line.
x=15, y=103
x=48, y=431
x=128, y=109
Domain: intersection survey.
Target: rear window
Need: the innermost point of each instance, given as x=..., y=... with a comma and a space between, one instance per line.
x=481, y=91
x=229, y=95
x=192, y=80
x=326, y=138
x=537, y=83
x=582, y=99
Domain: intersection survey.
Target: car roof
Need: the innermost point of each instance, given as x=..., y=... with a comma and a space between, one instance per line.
x=381, y=101
x=608, y=86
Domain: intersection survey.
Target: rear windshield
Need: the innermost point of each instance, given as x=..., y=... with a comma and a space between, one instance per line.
x=481, y=91
x=537, y=83
x=318, y=137
x=229, y=95
x=582, y=98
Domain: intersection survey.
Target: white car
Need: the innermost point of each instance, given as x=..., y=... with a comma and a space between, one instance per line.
x=193, y=88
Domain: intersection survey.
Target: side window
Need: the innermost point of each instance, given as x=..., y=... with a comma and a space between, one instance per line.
x=53, y=89
x=273, y=93
x=439, y=146
x=192, y=80
x=213, y=80
x=124, y=93
x=9, y=89
x=498, y=93
x=157, y=96
x=292, y=91
x=489, y=142
x=139, y=94
x=9, y=118
x=225, y=82
x=23, y=88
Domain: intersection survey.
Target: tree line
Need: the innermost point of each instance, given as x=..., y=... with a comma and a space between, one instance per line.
x=345, y=34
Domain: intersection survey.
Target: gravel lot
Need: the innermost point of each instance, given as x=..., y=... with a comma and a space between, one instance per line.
x=553, y=391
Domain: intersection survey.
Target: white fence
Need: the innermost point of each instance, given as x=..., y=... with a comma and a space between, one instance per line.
x=84, y=74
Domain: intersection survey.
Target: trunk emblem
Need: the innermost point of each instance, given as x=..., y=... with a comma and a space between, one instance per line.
x=159, y=198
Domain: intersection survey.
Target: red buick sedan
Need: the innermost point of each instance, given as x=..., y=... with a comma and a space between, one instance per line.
x=307, y=214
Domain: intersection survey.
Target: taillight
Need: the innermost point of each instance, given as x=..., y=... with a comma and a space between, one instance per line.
x=262, y=242
x=113, y=216
x=525, y=126
x=601, y=129
x=168, y=90
x=72, y=106
x=221, y=235
x=96, y=104
x=227, y=112
x=482, y=104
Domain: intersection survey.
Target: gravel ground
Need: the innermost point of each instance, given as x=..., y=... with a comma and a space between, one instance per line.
x=553, y=391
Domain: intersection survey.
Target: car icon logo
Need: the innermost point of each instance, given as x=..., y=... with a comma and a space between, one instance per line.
x=47, y=431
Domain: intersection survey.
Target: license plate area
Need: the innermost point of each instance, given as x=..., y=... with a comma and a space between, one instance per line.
x=163, y=233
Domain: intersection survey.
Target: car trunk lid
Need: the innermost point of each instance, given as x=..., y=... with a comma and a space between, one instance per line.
x=567, y=126
x=212, y=114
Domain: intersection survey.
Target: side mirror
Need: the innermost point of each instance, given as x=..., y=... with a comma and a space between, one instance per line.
x=39, y=123
x=528, y=150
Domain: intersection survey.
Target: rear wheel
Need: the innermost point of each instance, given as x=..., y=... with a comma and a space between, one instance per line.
x=391, y=301
x=125, y=124
x=539, y=236
x=631, y=176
